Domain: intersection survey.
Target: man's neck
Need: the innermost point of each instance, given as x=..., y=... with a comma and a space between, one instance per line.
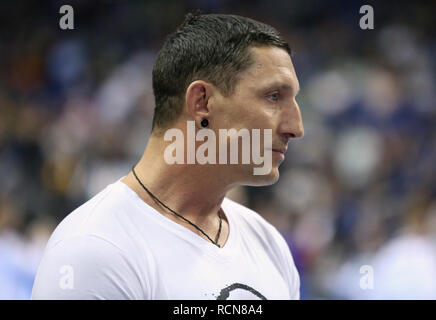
x=195, y=191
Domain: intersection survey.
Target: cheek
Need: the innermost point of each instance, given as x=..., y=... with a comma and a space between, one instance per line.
x=224, y=113
x=247, y=113
x=235, y=115
x=262, y=118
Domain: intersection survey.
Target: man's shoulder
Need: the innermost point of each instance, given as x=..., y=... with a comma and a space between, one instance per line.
x=90, y=267
x=98, y=216
x=98, y=241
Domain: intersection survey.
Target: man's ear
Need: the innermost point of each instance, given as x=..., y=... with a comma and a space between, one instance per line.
x=197, y=100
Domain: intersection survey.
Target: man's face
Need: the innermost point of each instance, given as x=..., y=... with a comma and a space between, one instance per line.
x=264, y=98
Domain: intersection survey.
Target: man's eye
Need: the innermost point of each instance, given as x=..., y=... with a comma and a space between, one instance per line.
x=273, y=96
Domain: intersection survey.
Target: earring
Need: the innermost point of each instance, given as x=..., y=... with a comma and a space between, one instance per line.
x=204, y=123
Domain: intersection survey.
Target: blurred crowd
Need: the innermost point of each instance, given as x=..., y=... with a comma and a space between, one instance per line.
x=358, y=190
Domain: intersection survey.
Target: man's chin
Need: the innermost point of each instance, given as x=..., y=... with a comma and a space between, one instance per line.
x=264, y=180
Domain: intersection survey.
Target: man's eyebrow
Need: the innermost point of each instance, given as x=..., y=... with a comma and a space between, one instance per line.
x=283, y=86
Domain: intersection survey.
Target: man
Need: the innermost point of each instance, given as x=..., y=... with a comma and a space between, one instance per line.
x=166, y=230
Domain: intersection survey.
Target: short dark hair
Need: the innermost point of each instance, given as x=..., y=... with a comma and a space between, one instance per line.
x=210, y=47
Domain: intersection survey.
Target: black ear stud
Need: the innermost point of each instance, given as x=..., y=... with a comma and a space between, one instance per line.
x=204, y=123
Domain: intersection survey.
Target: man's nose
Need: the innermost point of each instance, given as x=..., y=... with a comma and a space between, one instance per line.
x=292, y=121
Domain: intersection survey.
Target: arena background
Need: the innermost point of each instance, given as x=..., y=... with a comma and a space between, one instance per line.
x=358, y=190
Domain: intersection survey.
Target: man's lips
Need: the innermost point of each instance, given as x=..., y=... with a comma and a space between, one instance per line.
x=282, y=151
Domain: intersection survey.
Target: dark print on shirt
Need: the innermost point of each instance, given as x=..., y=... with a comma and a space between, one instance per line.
x=240, y=291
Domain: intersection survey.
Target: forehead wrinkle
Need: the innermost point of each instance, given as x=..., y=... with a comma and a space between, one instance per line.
x=283, y=79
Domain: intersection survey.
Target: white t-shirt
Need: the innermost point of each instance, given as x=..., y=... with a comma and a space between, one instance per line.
x=116, y=246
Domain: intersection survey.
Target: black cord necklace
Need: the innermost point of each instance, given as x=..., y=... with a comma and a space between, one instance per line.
x=180, y=216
